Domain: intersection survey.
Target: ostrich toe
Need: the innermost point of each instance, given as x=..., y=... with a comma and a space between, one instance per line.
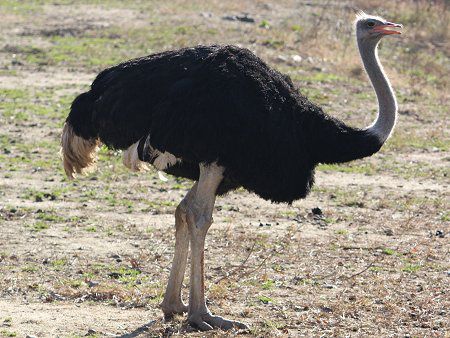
x=206, y=322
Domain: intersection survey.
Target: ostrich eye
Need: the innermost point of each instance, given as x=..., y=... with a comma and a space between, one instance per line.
x=370, y=23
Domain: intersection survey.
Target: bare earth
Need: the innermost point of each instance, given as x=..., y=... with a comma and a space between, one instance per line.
x=367, y=254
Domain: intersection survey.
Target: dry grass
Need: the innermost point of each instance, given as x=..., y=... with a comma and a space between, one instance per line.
x=91, y=257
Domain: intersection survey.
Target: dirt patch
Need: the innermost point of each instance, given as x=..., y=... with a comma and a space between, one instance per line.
x=49, y=78
x=365, y=255
x=67, y=317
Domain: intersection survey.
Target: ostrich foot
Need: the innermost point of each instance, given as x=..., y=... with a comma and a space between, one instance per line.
x=172, y=309
x=206, y=322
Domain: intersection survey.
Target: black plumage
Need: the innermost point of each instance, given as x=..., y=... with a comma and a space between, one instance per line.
x=218, y=104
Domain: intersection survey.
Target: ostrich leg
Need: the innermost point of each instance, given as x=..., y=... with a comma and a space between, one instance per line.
x=173, y=303
x=199, y=219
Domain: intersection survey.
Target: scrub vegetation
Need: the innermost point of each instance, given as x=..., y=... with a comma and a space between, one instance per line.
x=367, y=254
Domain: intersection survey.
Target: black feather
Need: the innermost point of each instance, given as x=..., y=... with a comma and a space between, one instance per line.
x=219, y=104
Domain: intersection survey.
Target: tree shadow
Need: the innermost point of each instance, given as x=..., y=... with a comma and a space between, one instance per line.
x=168, y=329
x=141, y=329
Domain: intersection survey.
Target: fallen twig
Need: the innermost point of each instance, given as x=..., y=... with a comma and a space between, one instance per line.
x=362, y=271
x=235, y=270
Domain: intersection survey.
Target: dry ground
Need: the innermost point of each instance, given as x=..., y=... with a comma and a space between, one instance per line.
x=91, y=257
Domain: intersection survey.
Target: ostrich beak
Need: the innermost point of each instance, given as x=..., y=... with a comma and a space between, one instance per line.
x=386, y=29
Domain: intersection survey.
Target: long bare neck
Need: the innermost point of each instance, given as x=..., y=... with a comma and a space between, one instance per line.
x=387, y=104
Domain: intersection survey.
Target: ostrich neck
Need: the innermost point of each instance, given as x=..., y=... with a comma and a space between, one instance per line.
x=387, y=104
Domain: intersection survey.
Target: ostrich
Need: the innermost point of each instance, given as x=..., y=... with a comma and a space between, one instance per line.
x=218, y=115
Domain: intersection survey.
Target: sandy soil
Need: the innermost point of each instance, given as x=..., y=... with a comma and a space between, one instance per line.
x=365, y=255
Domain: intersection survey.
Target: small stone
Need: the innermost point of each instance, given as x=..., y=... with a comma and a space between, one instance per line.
x=90, y=332
x=92, y=283
x=329, y=286
x=54, y=296
x=243, y=18
x=229, y=17
x=326, y=309
x=300, y=308
x=114, y=275
x=388, y=232
x=317, y=211
x=440, y=234
x=297, y=58
x=297, y=279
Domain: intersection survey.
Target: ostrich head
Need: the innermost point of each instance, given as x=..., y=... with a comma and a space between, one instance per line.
x=372, y=28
